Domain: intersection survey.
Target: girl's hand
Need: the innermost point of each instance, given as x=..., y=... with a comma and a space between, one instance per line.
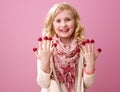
x=90, y=54
x=44, y=52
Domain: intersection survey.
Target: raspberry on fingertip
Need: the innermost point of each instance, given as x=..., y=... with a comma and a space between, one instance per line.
x=54, y=44
x=83, y=43
x=34, y=49
x=92, y=41
x=99, y=50
x=87, y=41
x=78, y=50
x=40, y=39
x=45, y=38
x=50, y=38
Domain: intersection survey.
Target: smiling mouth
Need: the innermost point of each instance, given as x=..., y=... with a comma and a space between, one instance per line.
x=64, y=30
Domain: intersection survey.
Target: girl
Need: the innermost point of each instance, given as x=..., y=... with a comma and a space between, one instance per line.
x=65, y=59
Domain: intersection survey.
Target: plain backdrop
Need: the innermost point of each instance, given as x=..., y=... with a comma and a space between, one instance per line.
x=21, y=22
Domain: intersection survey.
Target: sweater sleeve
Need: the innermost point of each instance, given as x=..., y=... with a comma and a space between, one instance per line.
x=88, y=79
x=43, y=79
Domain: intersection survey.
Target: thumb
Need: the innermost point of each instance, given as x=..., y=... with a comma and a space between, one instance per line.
x=99, y=50
x=53, y=46
x=35, y=52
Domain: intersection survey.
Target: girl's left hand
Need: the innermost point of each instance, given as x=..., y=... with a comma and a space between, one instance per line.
x=89, y=52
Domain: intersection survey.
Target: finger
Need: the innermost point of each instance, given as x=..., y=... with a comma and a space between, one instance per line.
x=99, y=50
x=88, y=45
x=45, y=42
x=81, y=50
x=40, y=43
x=84, y=49
x=35, y=51
x=49, y=43
x=92, y=45
x=54, y=45
x=78, y=50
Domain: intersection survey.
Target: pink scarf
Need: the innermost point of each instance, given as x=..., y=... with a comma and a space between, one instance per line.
x=65, y=63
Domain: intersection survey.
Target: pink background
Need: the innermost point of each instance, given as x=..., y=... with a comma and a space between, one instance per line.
x=21, y=22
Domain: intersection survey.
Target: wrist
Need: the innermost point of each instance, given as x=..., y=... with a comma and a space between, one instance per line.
x=89, y=72
x=46, y=70
x=89, y=69
x=45, y=67
x=90, y=64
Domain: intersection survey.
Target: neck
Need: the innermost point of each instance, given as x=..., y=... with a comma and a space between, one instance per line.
x=66, y=41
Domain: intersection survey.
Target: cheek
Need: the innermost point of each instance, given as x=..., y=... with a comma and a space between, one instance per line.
x=72, y=25
x=55, y=26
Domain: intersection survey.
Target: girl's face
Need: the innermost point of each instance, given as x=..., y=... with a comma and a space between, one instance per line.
x=64, y=24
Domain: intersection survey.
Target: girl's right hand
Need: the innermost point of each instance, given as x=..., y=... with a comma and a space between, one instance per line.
x=43, y=54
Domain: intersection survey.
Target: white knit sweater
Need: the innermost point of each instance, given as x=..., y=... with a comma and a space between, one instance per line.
x=49, y=85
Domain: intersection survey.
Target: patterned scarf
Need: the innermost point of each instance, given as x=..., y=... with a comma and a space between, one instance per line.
x=65, y=63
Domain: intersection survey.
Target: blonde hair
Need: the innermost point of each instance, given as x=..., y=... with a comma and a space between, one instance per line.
x=56, y=9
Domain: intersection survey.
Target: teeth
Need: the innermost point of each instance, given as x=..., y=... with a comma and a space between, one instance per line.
x=64, y=30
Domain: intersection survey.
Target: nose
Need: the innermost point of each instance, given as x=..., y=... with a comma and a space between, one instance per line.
x=63, y=23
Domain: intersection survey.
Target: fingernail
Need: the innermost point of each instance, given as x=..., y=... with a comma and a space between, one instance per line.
x=50, y=38
x=83, y=43
x=45, y=38
x=55, y=44
x=87, y=41
x=99, y=50
x=40, y=39
x=92, y=41
x=34, y=49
